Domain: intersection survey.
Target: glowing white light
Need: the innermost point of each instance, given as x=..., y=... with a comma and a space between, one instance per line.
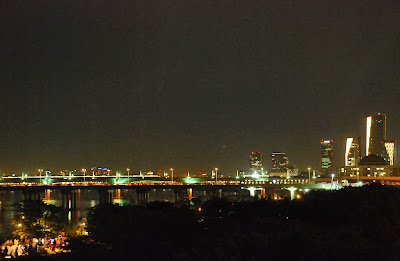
x=348, y=146
x=369, y=123
x=252, y=191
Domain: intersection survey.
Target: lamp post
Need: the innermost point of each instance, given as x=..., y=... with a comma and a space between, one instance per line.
x=128, y=173
x=216, y=175
x=84, y=175
x=309, y=175
x=172, y=174
x=333, y=175
x=40, y=175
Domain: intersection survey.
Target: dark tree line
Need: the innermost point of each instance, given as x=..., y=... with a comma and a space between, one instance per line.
x=349, y=224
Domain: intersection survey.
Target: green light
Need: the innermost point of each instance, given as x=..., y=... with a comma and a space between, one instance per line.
x=119, y=180
x=191, y=180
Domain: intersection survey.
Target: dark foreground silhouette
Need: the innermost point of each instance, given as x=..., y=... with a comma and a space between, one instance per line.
x=349, y=224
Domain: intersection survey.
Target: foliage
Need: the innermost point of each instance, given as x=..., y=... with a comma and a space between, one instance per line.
x=139, y=230
x=349, y=224
x=35, y=218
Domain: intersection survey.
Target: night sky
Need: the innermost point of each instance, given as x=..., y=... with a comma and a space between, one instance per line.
x=193, y=85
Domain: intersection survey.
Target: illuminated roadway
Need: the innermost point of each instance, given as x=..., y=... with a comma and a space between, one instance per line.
x=154, y=182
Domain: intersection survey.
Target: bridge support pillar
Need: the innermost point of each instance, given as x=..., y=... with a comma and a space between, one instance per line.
x=143, y=196
x=263, y=194
x=118, y=194
x=190, y=193
x=75, y=199
x=65, y=196
x=47, y=193
x=105, y=196
x=179, y=195
x=2, y=200
x=217, y=193
x=31, y=195
x=70, y=199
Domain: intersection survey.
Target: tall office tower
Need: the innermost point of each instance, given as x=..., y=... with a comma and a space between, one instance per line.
x=280, y=162
x=376, y=135
x=326, y=155
x=391, y=151
x=256, y=159
x=352, y=155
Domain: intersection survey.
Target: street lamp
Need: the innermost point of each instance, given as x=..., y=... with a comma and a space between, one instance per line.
x=333, y=175
x=309, y=175
x=172, y=174
x=40, y=175
x=128, y=173
x=216, y=175
x=84, y=175
x=117, y=175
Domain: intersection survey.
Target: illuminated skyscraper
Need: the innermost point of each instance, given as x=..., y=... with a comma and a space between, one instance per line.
x=280, y=162
x=352, y=154
x=391, y=151
x=326, y=155
x=256, y=159
x=376, y=135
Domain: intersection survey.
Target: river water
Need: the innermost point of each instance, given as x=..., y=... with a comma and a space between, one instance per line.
x=86, y=200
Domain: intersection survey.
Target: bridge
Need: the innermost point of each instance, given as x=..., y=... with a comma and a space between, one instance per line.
x=109, y=187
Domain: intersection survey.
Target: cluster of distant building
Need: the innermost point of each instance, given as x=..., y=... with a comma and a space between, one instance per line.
x=380, y=152
x=379, y=159
x=380, y=155
x=280, y=165
x=376, y=142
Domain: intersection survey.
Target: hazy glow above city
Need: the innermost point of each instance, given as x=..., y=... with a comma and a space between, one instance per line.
x=198, y=87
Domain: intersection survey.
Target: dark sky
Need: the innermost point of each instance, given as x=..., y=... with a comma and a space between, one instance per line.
x=189, y=84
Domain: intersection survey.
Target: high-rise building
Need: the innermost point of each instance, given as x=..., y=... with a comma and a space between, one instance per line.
x=326, y=156
x=376, y=135
x=256, y=161
x=352, y=154
x=391, y=151
x=280, y=162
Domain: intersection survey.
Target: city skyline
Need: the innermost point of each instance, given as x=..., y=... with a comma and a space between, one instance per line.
x=257, y=163
x=159, y=85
